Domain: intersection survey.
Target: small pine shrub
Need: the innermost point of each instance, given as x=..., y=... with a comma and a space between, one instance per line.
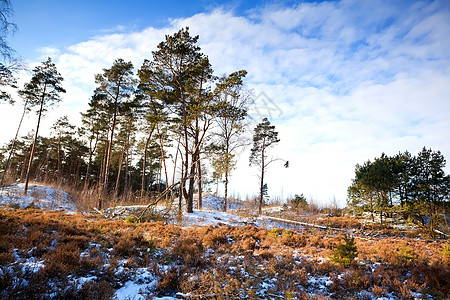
x=273, y=233
x=446, y=252
x=130, y=220
x=406, y=254
x=345, y=253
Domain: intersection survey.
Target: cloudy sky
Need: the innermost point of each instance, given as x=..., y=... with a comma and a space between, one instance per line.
x=342, y=81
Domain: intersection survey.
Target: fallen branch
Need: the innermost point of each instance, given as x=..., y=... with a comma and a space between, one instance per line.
x=189, y=296
x=303, y=223
x=159, y=198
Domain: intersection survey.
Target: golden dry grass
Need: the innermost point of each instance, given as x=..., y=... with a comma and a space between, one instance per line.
x=228, y=261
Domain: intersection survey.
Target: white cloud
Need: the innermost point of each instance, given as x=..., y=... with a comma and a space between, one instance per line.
x=352, y=79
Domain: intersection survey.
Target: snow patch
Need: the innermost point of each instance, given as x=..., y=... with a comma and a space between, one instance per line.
x=38, y=196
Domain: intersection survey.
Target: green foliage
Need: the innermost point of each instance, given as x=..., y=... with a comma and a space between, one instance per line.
x=43, y=91
x=6, y=80
x=446, y=250
x=406, y=254
x=416, y=186
x=264, y=137
x=130, y=122
x=289, y=295
x=273, y=232
x=287, y=234
x=344, y=254
x=130, y=220
x=299, y=201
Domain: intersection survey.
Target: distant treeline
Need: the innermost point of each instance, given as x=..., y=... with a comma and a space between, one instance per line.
x=415, y=186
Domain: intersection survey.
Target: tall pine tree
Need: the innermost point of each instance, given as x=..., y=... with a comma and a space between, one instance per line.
x=43, y=90
x=115, y=86
x=264, y=138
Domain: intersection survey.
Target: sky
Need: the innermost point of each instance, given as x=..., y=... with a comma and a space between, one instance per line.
x=342, y=81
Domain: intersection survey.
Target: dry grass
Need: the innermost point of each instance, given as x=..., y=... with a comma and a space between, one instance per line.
x=225, y=261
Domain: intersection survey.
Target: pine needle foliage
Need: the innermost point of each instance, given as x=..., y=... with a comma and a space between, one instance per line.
x=345, y=253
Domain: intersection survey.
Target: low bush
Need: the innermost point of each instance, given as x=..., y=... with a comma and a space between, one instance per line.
x=345, y=253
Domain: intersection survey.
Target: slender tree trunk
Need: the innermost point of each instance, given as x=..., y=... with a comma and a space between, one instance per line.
x=108, y=156
x=180, y=194
x=163, y=158
x=14, y=143
x=34, y=143
x=58, y=168
x=261, y=188
x=127, y=153
x=102, y=176
x=89, y=166
x=24, y=167
x=227, y=171
x=261, y=191
x=174, y=172
x=192, y=181
x=195, y=159
x=144, y=161
x=158, y=187
x=225, y=198
x=116, y=190
x=199, y=184
x=187, y=196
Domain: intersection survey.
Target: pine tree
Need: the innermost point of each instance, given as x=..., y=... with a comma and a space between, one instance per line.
x=95, y=121
x=231, y=111
x=115, y=86
x=345, y=253
x=43, y=90
x=264, y=138
x=7, y=79
x=432, y=186
x=63, y=131
x=181, y=76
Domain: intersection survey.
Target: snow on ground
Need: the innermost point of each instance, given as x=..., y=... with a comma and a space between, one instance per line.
x=38, y=196
x=45, y=197
x=140, y=280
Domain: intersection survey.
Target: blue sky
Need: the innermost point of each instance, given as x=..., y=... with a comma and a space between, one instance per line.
x=342, y=81
x=59, y=23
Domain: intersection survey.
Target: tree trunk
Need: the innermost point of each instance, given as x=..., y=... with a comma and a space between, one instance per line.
x=24, y=167
x=101, y=182
x=89, y=166
x=108, y=156
x=261, y=187
x=199, y=184
x=187, y=196
x=163, y=158
x=116, y=190
x=225, y=198
x=144, y=161
x=174, y=172
x=58, y=168
x=127, y=157
x=34, y=143
x=227, y=171
x=261, y=191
